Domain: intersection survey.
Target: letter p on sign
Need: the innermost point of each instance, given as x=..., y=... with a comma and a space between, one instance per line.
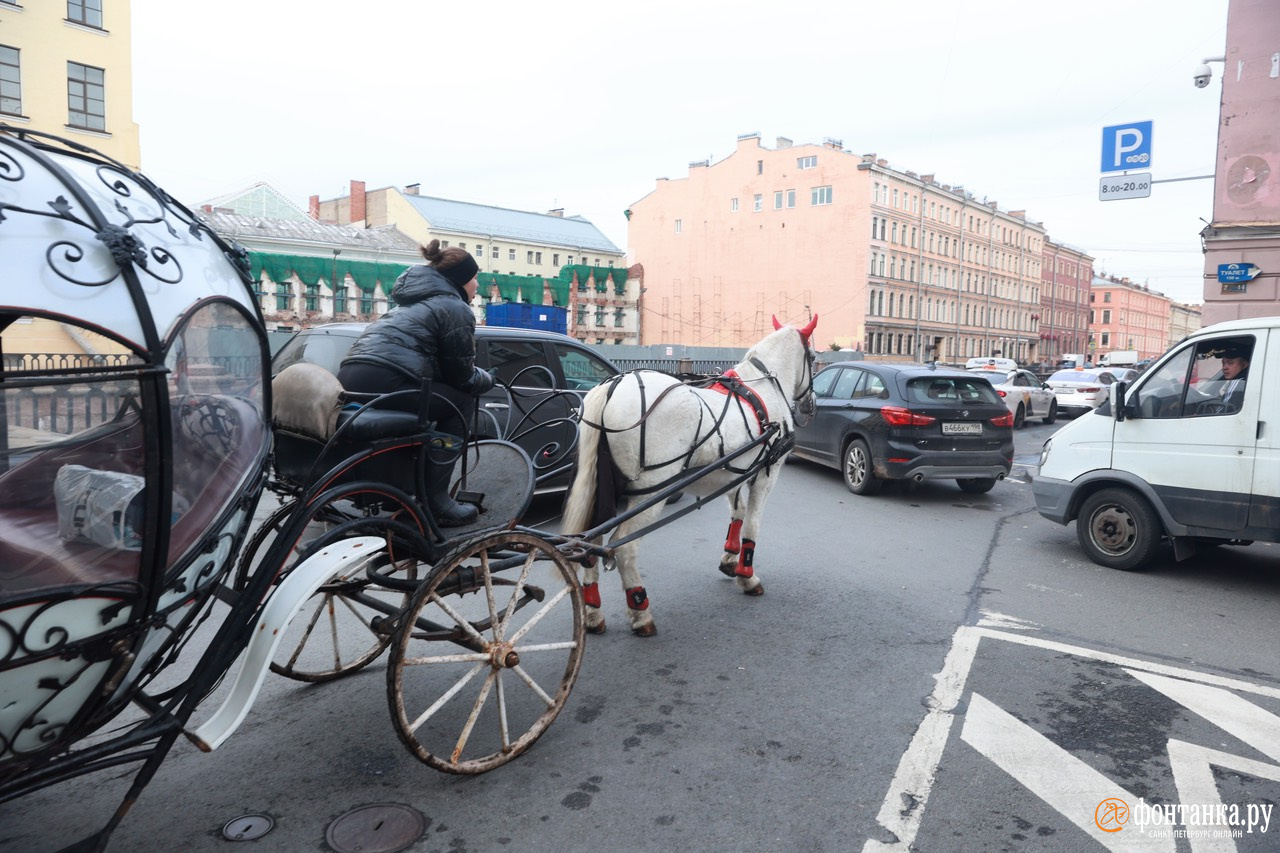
x=1126, y=146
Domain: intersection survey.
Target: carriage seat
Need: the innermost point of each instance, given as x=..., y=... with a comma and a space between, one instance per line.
x=318, y=424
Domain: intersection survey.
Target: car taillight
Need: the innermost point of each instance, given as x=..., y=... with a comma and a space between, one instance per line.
x=1089, y=390
x=1002, y=393
x=1004, y=420
x=898, y=416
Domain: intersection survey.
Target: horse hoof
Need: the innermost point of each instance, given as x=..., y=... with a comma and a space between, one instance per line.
x=729, y=570
x=596, y=629
x=758, y=589
x=645, y=630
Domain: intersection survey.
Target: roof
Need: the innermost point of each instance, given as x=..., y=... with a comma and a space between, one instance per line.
x=258, y=200
x=239, y=226
x=502, y=223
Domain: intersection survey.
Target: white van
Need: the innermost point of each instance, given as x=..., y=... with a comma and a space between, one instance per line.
x=1185, y=451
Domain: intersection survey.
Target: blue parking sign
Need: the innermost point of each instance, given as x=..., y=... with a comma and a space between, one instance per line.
x=1126, y=146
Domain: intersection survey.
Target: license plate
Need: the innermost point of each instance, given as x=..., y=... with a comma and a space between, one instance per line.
x=961, y=429
x=1065, y=391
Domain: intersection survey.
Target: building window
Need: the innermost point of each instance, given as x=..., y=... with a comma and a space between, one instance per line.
x=600, y=315
x=311, y=297
x=479, y=251
x=617, y=317
x=86, y=97
x=528, y=257
x=10, y=81
x=791, y=198
x=511, y=254
x=777, y=200
x=582, y=315
x=1106, y=297
x=537, y=258
x=366, y=303
x=282, y=297
x=679, y=225
x=810, y=162
x=493, y=252
x=569, y=260
x=820, y=195
x=759, y=202
x=1106, y=315
x=462, y=246
x=759, y=167
x=340, y=301
x=733, y=205
x=1106, y=339
x=87, y=12
x=555, y=259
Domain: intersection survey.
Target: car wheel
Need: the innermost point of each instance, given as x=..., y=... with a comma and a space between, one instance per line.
x=859, y=469
x=1019, y=417
x=1053, y=412
x=977, y=485
x=1117, y=528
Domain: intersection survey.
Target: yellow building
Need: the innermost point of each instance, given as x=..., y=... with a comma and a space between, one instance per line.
x=67, y=69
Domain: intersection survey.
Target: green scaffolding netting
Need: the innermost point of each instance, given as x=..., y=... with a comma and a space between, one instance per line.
x=601, y=274
x=523, y=288
x=311, y=269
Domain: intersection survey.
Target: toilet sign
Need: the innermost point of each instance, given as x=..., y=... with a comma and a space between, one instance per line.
x=1126, y=146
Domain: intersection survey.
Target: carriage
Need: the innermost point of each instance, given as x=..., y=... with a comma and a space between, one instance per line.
x=171, y=518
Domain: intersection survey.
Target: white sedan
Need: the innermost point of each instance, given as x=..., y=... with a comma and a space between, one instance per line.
x=1022, y=391
x=1081, y=390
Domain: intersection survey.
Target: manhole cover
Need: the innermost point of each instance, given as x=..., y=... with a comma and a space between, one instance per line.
x=247, y=827
x=383, y=828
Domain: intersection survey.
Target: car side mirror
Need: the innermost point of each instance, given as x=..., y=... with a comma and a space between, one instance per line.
x=1119, y=408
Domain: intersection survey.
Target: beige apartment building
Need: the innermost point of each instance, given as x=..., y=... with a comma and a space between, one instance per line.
x=524, y=257
x=1124, y=315
x=1183, y=320
x=894, y=263
x=66, y=68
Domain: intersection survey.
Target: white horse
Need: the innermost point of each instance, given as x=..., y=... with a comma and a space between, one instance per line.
x=658, y=428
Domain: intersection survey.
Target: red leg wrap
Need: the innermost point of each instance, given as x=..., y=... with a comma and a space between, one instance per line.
x=591, y=594
x=748, y=557
x=731, y=543
x=637, y=598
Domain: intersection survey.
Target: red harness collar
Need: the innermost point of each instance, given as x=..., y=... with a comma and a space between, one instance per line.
x=730, y=383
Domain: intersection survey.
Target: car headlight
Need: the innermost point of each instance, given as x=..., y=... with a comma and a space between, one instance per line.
x=1044, y=452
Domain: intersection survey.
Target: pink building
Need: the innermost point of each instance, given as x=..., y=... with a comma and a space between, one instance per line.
x=1064, y=301
x=1246, y=195
x=1127, y=316
x=894, y=263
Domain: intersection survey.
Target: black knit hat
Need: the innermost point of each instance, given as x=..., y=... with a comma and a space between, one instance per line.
x=461, y=272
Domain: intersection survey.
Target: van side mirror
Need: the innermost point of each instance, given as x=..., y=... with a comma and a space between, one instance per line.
x=1120, y=407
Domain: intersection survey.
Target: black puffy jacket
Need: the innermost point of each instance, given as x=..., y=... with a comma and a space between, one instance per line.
x=430, y=332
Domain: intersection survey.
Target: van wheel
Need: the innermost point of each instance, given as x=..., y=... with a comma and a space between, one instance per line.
x=976, y=485
x=859, y=469
x=1053, y=412
x=1117, y=528
x=1019, y=418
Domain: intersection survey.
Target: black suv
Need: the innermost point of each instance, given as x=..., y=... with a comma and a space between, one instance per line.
x=878, y=422
x=532, y=364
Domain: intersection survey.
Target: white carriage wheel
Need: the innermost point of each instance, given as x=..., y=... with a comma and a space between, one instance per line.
x=486, y=653
x=345, y=625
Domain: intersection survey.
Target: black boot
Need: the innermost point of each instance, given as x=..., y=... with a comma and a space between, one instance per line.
x=446, y=511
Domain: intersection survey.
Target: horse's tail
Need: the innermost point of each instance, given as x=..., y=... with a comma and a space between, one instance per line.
x=581, y=500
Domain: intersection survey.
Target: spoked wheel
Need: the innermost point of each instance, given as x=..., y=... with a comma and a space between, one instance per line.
x=344, y=625
x=510, y=607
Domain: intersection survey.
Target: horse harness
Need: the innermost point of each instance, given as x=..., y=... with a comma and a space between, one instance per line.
x=735, y=388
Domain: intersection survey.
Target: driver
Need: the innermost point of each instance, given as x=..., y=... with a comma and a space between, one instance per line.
x=1235, y=370
x=430, y=334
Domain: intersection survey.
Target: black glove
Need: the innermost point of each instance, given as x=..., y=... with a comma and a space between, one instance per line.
x=481, y=381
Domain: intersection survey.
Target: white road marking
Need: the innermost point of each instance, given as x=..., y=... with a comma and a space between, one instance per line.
x=1192, y=767
x=903, y=808
x=991, y=619
x=1229, y=712
x=1050, y=772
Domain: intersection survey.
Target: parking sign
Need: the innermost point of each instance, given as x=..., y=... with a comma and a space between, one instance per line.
x=1126, y=146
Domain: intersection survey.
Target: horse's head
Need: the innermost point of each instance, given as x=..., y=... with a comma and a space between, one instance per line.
x=802, y=399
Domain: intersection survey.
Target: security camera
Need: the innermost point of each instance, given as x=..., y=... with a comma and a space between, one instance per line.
x=1202, y=76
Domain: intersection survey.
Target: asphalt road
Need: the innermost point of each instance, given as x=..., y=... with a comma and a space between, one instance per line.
x=928, y=670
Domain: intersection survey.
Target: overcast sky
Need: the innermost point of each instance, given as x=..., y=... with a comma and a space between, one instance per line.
x=582, y=105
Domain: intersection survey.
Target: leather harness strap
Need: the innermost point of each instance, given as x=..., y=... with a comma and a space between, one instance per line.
x=731, y=383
